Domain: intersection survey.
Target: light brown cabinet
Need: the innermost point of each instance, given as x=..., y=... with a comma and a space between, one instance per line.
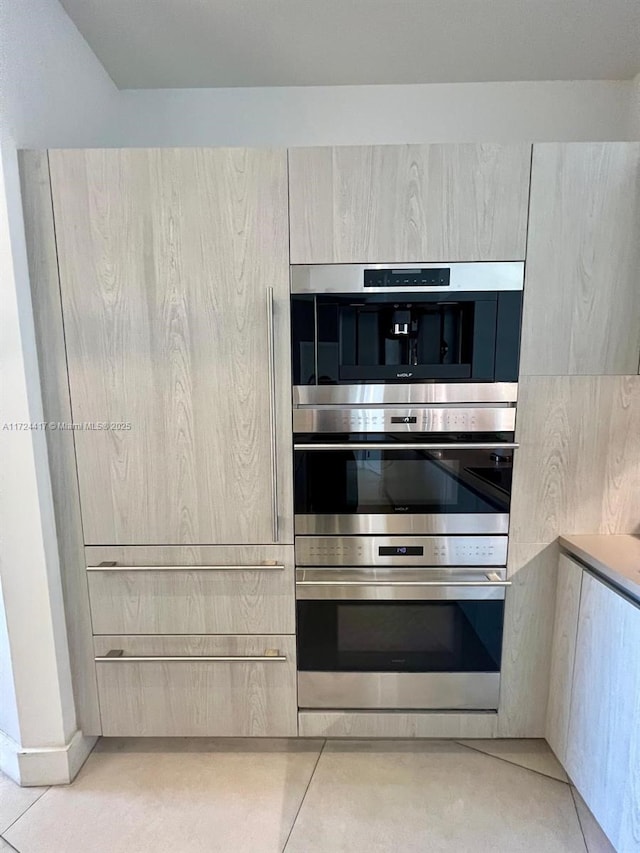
x=174, y=279
x=582, y=284
x=527, y=637
x=574, y=468
x=603, y=745
x=404, y=203
x=171, y=590
x=563, y=654
x=173, y=267
x=226, y=686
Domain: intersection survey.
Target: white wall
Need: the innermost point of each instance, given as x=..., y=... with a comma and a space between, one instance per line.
x=54, y=92
x=9, y=723
x=53, y=87
x=33, y=600
x=342, y=115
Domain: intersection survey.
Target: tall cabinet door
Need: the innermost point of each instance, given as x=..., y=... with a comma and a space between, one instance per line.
x=582, y=286
x=603, y=747
x=177, y=354
x=404, y=203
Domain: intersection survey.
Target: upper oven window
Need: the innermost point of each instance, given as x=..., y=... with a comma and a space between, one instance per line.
x=389, y=481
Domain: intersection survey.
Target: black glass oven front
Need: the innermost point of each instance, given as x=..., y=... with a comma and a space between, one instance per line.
x=400, y=636
x=354, y=480
x=405, y=337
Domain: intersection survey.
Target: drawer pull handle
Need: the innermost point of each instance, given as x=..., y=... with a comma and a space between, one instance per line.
x=118, y=656
x=114, y=567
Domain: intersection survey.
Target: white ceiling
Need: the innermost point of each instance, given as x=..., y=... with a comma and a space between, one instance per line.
x=195, y=43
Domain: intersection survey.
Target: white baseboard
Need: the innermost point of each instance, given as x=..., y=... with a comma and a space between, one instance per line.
x=56, y=765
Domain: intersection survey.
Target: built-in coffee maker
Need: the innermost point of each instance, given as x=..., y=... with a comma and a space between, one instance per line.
x=362, y=324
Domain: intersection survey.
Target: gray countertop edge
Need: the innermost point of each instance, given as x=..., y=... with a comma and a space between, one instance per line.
x=604, y=568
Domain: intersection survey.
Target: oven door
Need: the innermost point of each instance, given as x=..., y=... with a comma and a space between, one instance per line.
x=392, y=641
x=386, y=484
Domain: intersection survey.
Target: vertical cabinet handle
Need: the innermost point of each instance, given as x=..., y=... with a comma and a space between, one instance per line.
x=272, y=416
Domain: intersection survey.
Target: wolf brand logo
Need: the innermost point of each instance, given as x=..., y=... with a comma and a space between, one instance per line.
x=401, y=508
x=403, y=375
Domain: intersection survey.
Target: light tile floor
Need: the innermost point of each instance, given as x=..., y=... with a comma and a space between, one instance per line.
x=221, y=796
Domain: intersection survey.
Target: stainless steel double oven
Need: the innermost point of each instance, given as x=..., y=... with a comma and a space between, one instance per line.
x=402, y=485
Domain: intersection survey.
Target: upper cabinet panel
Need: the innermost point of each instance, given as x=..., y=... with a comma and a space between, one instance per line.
x=166, y=259
x=582, y=287
x=404, y=203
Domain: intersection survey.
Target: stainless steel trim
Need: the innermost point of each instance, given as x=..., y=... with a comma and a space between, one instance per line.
x=437, y=551
x=272, y=416
x=396, y=585
x=399, y=593
x=315, y=339
x=405, y=583
x=403, y=523
x=114, y=567
x=111, y=658
x=415, y=394
x=399, y=445
x=440, y=574
x=412, y=420
x=413, y=592
x=349, y=278
x=399, y=690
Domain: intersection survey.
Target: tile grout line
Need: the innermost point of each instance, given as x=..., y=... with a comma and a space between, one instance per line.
x=513, y=763
x=313, y=772
x=9, y=844
x=22, y=814
x=575, y=805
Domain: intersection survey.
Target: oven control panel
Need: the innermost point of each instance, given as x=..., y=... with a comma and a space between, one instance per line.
x=419, y=419
x=401, y=550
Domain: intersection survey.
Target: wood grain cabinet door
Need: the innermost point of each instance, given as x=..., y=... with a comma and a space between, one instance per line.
x=603, y=747
x=195, y=686
x=404, y=203
x=582, y=286
x=563, y=654
x=167, y=260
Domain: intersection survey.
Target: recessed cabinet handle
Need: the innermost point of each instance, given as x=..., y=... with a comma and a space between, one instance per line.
x=118, y=656
x=114, y=567
x=272, y=416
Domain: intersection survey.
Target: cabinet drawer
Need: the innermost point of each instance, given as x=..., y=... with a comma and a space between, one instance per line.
x=197, y=686
x=231, y=592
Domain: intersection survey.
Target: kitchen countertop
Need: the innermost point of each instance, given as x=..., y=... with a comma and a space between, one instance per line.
x=615, y=558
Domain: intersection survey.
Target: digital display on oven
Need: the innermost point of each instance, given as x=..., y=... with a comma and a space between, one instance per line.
x=430, y=277
x=400, y=551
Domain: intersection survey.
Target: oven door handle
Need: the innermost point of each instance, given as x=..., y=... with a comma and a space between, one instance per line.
x=405, y=583
x=390, y=589
x=400, y=445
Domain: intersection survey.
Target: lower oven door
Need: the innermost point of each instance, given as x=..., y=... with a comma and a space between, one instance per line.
x=406, y=645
